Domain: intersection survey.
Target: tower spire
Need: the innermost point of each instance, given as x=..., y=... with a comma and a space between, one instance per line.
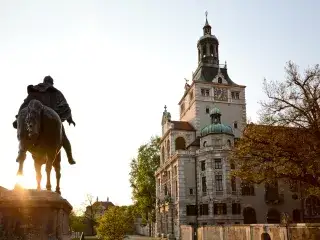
x=207, y=27
x=206, y=18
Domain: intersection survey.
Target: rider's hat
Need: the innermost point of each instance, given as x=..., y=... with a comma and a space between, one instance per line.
x=48, y=79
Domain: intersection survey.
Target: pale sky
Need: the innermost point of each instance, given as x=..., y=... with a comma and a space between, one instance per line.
x=119, y=62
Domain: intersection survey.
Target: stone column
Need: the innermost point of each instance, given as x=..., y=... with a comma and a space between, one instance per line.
x=158, y=224
x=170, y=233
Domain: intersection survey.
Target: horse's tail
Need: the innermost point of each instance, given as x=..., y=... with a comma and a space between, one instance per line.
x=33, y=118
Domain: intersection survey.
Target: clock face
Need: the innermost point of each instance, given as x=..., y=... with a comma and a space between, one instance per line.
x=221, y=94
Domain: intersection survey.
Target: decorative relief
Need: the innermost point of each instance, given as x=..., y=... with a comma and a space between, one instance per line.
x=220, y=94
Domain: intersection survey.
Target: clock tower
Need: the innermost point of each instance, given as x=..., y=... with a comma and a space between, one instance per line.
x=212, y=87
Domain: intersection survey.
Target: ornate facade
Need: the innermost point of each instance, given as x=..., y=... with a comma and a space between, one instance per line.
x=194, y=185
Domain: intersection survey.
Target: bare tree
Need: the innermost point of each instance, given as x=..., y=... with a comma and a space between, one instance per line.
x=92, y=210
x=287, y=144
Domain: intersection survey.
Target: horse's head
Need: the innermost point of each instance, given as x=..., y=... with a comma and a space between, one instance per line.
x=33, y=119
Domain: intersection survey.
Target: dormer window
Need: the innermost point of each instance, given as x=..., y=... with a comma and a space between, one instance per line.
x=219, y=80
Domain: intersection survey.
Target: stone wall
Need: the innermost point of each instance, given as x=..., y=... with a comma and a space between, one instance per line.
x=186, y=232
x=254, y=232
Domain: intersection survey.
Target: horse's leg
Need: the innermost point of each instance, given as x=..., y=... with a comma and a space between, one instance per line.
x=50, y=159
x=37, y=167
x=57, y=168
x=21, y=158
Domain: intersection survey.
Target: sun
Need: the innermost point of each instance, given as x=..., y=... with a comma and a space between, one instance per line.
x=26, y=181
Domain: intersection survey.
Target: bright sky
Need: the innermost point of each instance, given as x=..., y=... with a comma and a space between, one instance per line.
x=119, y=62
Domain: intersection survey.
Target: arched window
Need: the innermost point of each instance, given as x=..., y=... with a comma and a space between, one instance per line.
x=199, y=54
x=211, y=50
x=168, y=149
x=265, y=236
x=235, y=125
x=180, y=143
x=229, y=143
x=204, y=51
x=219, y=80
x=313, y=206
x=204, y=143
x=162, y=155
x=249, y=216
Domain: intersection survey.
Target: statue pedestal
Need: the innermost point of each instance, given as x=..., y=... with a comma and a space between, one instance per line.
x=32, y=214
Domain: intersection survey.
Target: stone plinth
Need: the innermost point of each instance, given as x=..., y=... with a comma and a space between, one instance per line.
x=33, y=214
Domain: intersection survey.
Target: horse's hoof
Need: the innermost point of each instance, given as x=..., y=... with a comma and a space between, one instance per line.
x=19, y=173
x=71, y=161
x=58, y=191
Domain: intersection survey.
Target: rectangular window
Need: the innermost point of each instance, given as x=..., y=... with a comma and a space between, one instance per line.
x=235, y=95
x=203, y=165
x=205, y=92
x=204, y=184
x=176, y=189
x=217, y=164
x=175, y=171
x=247, y=189
x=190, y=191
x=204, y=209
x=236, y=208
x=220, y=208
x=219, y=186
x=233, y=184
x=191, y=210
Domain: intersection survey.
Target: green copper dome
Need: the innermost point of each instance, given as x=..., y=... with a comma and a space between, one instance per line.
x=216, y=128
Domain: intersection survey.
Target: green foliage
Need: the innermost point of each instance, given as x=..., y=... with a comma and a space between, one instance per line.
x=287, y=144
x=76, y=222
x=142, y=178
x=115, y=223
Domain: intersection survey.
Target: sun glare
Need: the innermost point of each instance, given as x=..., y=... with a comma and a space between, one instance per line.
x=25, y=182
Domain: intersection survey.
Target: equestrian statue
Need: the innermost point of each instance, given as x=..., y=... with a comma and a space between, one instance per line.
x=40, y=130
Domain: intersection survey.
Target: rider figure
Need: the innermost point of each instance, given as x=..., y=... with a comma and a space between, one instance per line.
x=51, y=97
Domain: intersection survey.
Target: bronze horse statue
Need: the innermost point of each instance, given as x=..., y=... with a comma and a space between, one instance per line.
x=39, y=131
